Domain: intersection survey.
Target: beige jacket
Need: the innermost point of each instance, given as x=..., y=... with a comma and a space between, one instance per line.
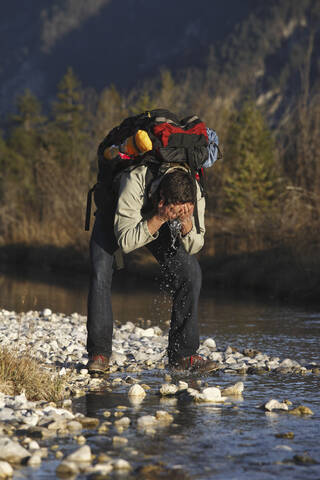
x=131, y=229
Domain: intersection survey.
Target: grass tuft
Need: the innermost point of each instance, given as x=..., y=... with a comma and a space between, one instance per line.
x=22, y=373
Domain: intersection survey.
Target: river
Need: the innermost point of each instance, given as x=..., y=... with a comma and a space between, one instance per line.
x=234, y=441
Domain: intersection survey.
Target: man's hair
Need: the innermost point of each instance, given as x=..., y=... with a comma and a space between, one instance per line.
x=177, y=187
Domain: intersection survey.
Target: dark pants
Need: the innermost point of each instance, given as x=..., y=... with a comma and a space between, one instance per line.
x=182, y=276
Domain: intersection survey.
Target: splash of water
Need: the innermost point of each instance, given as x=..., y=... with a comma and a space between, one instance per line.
x=175, y=229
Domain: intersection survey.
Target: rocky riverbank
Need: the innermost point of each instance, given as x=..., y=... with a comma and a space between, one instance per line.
x=29, y=430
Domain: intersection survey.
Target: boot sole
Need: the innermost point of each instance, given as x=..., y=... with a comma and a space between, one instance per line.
x=98, y=369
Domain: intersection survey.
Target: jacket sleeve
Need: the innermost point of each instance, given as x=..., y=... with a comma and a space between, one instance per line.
x=130, y=229
x=193, y=241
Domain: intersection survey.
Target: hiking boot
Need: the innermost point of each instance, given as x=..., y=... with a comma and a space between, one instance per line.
x=196, y=364
x=98, y=364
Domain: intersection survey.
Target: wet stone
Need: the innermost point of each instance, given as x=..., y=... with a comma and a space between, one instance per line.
x=235, y=389
x=6, y=470
x=83, y=454
x=301, y=410
x=88, y=422
x=67, y=468
x=136, y=391
x=12, y=452
x=304, y=459
x=168, y=389
x=287, y=435
x=275, y=405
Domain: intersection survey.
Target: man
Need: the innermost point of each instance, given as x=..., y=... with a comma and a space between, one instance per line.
x=143, y=221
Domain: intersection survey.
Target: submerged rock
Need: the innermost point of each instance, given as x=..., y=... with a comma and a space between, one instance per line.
x=164, y=417
x=67, y=468
x=100, y=469
x=301, y=410
x=119, y=441
x=146, y=421
x=288, y=435
x=88, y=422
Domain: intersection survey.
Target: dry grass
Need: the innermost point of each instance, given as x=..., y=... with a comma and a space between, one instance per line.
x=22, y=373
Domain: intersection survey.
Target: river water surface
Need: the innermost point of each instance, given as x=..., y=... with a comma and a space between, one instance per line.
x=236, y=440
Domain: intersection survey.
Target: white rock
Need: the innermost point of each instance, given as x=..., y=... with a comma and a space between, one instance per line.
x=34, y=460
x=149, y=332
x=19, y=401
x=101, y=468
x=54, y=413
x=7, y=414
x=287, y=363
x=122, y=422
x=46, y=312
x=182, y=385
x=197, y=396
x=121, y=464
x=235, y=389
x=210, y=343
x=83, y=454
x=33, y=445
x=138, y=332
x=216, y=356
x=5, y=470
x=157, y=331
x=30, y=418
x=140, y=356
x=212, y=394
x=275, y=405
x=118, y=358
x=136, y=391
x=164, y=417
x=168, y=389
x=230, y=360
x=74, y=426
x=12, y=451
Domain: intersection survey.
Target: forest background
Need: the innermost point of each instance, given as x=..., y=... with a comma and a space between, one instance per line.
x=259, y=89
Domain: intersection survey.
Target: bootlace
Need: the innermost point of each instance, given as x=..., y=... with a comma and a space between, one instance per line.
x=194, y=359
x=98, y=358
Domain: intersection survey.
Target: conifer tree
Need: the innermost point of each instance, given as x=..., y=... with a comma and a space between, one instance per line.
x=23, y=150
x=250, y=179
x=68, y=132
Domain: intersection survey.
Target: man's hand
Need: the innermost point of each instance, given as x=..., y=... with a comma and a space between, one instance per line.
x=169, y=212
x=165, y=213
x=185, y=217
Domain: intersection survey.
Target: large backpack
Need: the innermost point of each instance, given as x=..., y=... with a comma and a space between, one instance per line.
x=158, y=140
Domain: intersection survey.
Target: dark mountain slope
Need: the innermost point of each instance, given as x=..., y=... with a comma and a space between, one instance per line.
x=106, y=41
